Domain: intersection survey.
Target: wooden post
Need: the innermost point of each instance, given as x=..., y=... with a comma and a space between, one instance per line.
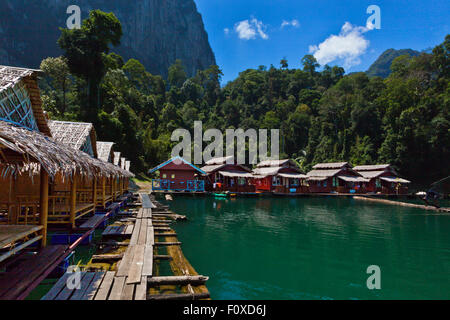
x=113, y=188
x=103, y=191
x=43, y=204
x=73, y=201
x=94, y=195
x=13, y=210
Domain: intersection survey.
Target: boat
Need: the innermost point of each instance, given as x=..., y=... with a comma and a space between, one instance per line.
x=221, y=195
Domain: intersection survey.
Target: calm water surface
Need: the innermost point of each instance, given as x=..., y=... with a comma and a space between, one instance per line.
x=314, y=248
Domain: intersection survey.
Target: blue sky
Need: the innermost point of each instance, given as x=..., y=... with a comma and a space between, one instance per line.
x=249, y=33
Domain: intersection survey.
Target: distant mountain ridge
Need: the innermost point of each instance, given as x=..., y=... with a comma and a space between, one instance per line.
x=156, y=32
x=382, y=66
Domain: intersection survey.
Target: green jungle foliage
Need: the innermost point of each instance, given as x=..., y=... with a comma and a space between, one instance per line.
x=323, y=115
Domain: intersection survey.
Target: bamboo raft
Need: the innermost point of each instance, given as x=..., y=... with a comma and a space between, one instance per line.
x=404, y=204
x=129, y=263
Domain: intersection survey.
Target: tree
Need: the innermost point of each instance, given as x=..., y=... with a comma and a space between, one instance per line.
x=284, y=63
x=58, y=70
x=86, y=49
x=177, y=74
x=310, y=64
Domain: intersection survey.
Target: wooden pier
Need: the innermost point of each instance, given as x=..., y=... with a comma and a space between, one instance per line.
x=133, y=275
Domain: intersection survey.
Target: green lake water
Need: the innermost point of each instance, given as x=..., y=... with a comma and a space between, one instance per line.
x=314, y=248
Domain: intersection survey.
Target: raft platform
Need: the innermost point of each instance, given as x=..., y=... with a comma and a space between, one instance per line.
x=133, y=275
x=25, y=270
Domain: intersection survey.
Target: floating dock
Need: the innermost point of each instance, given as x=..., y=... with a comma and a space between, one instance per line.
x=130, y=252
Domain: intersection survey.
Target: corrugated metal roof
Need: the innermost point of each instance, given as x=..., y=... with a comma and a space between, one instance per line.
x=353, y=179
x=323, y=173
x=211, y=168
x=267, y=171
x=331, y=165
x=236, y=174
x=293, y=175
x=375, y=167
x=395, y=179
x=221, y=160
x=274, y=163
x=371, y=174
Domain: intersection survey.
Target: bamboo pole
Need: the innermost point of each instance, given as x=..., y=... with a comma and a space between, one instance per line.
x=13, y=209
x=94, y=195
x=103, y=191
x=73, y=201
x=43, y=203
x=113, y=193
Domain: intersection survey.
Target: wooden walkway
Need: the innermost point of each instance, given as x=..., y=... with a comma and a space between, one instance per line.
x=135, y=269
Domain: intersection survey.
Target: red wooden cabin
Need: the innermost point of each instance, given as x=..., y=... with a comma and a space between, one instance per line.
x=223, y=174
x=280, y=176
x=177, y=174
x=383, y=179
x=335, y=177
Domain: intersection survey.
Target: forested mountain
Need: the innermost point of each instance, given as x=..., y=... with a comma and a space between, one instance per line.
x=382, y=66
x=154, y=31
x=323, y=115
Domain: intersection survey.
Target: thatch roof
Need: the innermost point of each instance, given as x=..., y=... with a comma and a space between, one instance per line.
x=117, y=159
x=127, y=165
x=105, y=151
x=74, y=134
x=11, y=77
x=123, y=162
x=24, y=151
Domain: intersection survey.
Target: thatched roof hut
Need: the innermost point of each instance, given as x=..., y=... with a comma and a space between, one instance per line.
x=78, y=135
x=20, y=100
x=23, y=151
x=105, y=151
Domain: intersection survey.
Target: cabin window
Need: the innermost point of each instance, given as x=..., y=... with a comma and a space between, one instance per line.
x=164, y=176
x=276, y=181
x=325, y=183
x=241, y=181
x=295, y=182
x=335, y=182
x=173, y=176
x=378, y=183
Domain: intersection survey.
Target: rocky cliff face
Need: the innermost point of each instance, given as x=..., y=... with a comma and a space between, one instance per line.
x=156, y=32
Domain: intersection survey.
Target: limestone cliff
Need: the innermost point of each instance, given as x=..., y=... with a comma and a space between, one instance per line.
x=156, y=32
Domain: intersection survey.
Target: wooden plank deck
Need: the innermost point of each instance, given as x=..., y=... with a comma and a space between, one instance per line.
x=12, y=233
x=93, y=221
x=130, y=280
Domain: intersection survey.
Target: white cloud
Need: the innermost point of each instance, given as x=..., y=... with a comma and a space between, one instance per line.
x=226, y=31
x=251, y=29
x=348, y=46
x=293, y=23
